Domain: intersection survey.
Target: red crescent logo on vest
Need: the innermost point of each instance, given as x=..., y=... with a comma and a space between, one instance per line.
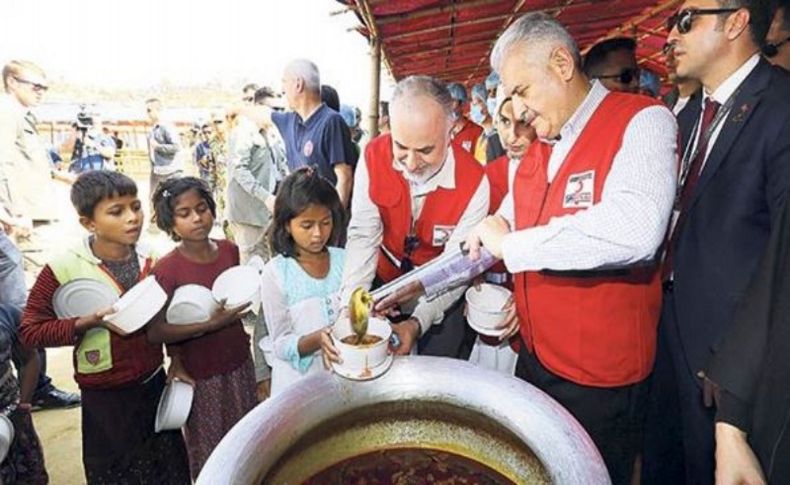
x=579, y=190
x=93, y=356
x=308, y=148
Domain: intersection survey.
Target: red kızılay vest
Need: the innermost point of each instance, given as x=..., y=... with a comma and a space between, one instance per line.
x=497, y=172
x=594, y=328
x=440, y=214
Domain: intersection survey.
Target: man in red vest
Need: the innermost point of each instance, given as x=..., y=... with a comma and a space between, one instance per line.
x=464, y=132
x=580, y=229
x=415, y=195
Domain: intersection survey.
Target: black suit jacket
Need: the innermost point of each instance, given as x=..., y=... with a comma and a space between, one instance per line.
x=727, y=224
x=752, y=366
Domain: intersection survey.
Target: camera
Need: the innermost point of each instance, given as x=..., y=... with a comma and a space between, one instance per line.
x=84, y=119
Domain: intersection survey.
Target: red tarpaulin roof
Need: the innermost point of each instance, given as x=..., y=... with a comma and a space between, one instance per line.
x=452, y=40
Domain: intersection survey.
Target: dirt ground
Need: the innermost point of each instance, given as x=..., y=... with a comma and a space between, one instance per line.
x=59, y=430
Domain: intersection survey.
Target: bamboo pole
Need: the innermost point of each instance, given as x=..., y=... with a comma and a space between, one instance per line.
x=636, y=21
x=375, y=83
x=426, y=12
x=439, y=28
x=508, y=20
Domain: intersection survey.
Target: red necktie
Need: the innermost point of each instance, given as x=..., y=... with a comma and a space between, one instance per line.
x=692, y=177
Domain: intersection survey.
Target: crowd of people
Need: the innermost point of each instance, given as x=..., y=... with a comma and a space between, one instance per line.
x=644, y=239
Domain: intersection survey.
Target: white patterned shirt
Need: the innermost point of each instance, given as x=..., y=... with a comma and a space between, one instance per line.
x=628, y=225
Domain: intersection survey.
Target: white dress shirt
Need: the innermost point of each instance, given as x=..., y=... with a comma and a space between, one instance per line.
x=628, y=224
x=680, y=104
x=366, y=231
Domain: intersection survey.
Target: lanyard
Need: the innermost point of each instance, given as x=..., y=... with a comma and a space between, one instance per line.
x=688, y=155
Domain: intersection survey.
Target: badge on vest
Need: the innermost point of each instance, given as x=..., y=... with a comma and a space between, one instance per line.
x=579, y=190
x=467, y=145
x=441, y=234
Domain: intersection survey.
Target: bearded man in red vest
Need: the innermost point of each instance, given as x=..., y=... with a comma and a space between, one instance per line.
x=415, y=194
x=580, y=229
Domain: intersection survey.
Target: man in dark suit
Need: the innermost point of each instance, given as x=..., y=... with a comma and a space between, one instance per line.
x=734, y=176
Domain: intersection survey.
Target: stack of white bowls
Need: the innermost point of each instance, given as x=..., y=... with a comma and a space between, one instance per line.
x=239, y=285
x=6, y=436
x=487, y=309
x=174, y=406
x=137, y=306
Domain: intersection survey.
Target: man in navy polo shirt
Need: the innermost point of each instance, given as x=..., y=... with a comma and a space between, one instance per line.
x=313, y=133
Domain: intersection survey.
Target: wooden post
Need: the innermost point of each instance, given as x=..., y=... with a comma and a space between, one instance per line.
x=375, y=86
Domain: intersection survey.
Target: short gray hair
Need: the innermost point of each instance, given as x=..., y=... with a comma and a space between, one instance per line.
x=307, y=71
x=427, y=86
x=533, y=29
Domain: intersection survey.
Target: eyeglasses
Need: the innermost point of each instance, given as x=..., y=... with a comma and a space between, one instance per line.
x=411, y=243
x=771, y=50
x=39, y=88
x=683, y=19
x=626, y=76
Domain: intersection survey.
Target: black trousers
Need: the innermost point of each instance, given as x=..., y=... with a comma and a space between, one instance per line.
x=613, y=417
x=679, y=429
x=452, y=338
x=44, y=383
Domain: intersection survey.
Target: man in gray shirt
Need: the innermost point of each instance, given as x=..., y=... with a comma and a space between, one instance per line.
x=255, y=165
x=164, y=145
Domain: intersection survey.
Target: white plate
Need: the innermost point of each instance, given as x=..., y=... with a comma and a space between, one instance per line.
x=488, y=332
x=366, y=374
x=81, y=297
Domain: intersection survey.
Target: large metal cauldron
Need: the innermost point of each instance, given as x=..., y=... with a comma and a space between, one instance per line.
x=430, y=403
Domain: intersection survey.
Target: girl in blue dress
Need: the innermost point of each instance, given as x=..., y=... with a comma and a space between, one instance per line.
x=300, y=284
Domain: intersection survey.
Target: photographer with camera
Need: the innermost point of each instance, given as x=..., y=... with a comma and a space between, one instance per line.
x=93, y=149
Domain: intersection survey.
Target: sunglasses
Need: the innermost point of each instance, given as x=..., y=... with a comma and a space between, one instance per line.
x=626, y=76
x=248, y=99
x=771, y=50
x=683, y=19
x=39, y=88
x=411, y=243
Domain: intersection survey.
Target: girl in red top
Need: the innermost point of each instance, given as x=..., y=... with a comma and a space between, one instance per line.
x=214, y=356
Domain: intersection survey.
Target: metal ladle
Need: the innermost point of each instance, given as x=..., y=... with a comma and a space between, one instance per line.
x=359, y=307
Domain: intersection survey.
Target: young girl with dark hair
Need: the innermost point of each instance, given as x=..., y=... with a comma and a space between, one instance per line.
x=213, y=356
x=300, y=285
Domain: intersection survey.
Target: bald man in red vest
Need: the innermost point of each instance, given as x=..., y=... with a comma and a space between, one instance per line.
x=580, y=229
x=416, y=194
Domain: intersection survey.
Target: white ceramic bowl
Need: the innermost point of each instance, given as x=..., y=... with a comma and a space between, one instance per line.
x=191, y=304
x=485, y=306
x=174, y=406
x=239, y=285
x=137, y=306
x=6, y=436
x=362, y=357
